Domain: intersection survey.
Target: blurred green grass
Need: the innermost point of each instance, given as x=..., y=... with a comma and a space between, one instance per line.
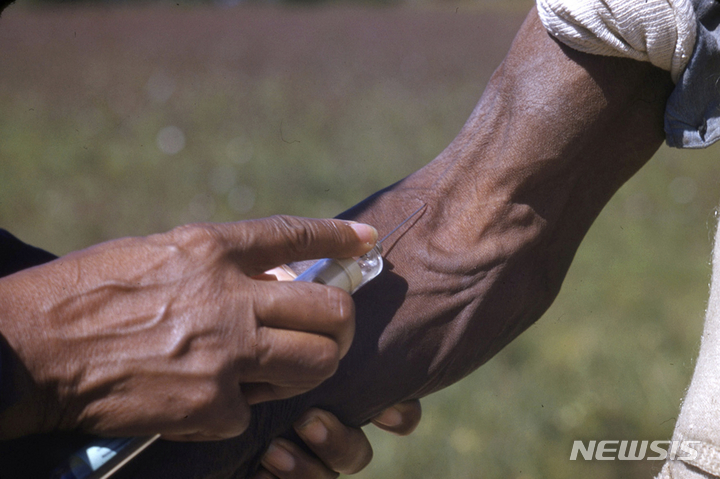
x=133, y=120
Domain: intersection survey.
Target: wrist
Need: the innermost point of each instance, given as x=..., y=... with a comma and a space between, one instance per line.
x=19, y=398
x=27, y=403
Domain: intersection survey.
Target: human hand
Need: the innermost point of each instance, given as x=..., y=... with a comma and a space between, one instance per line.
x=171, y=334
x=339, y=448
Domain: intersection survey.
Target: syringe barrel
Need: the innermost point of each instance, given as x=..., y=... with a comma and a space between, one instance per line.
x=349, y=274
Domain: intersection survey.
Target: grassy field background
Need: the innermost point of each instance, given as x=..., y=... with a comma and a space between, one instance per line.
x=135, y=119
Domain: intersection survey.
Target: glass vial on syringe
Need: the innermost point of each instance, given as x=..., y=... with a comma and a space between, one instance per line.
x=349, y=274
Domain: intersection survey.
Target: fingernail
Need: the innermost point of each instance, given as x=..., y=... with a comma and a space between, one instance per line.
x=279, y=458
x=313, y=430
x=390, y=417
x=366, y=233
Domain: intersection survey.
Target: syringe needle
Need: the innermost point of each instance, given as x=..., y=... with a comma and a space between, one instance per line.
x=404, y=221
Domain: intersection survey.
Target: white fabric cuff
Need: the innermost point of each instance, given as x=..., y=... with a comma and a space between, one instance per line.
x=661, y=32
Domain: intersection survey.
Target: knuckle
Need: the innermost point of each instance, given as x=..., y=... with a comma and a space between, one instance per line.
x=203, y=238
x=342, y=307
x=326, y=361
x=342, y=316
x=257, y=351
x=206, y=397
x=297, y=235
x=223, y=414
x=240, y=422
x=229, y=427
x=301, y=234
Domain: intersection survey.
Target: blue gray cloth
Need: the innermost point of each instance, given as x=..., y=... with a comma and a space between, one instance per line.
x=692, y=113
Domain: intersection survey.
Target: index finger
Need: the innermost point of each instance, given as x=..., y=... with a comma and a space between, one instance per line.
x=265, y=243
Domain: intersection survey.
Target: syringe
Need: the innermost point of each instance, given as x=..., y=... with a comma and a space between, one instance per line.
x=351, y=274
x=104, y=457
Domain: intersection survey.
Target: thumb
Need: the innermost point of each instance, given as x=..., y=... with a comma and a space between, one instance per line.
x=270, y=242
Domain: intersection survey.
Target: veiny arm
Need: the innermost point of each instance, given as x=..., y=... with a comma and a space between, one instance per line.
x=555, y=134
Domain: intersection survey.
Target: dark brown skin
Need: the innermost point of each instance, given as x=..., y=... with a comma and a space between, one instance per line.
x=556, y=133
x=554, y=136
x=171, y=334
x=99, y=332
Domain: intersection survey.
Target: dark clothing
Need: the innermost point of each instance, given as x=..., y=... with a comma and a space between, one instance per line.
x=16, y=255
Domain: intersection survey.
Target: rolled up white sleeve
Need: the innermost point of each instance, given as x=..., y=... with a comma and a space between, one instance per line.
x=661, y=32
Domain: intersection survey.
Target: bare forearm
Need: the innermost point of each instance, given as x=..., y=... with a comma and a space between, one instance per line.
x=555, y=135
x=508, y=202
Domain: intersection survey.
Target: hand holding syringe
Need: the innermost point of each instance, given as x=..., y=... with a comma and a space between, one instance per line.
x=102, y=458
